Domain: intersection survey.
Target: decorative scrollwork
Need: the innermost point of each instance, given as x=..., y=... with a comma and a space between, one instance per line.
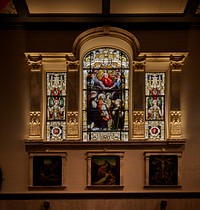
x=72, y=124
x=72, y=65
x=139, y=64
x=138, y=123
x=35, y=62
x=175, y=123
x=34, y=125
x=176, y=62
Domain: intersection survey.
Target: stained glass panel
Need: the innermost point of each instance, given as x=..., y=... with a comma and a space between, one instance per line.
x=155, y=105
x=56, y=84
x=154, y=108
x=105, y=95
x=56, y=105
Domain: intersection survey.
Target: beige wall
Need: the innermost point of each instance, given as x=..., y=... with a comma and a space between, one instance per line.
x=14, y=86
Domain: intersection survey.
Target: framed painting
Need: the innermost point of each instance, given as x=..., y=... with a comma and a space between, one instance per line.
x=47, y=170
x=163, y=169
x=105, y=170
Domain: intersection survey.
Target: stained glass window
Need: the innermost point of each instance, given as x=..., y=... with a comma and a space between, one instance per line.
x=105, y=95
x=56, y=104
x=155, y=106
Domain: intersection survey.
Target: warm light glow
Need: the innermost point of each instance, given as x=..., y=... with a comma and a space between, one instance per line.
x=63, y=6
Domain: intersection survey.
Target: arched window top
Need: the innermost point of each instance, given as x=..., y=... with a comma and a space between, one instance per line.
x=105, y=58
x=106, y=36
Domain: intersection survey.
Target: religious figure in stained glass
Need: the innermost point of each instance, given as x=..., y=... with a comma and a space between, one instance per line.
x=154, y=108
x=56, y=108
x=155, y=103
x=105, y=95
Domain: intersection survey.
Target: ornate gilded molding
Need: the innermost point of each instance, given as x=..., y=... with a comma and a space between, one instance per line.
x=139, y=64
x=35, y=62
x=72, y=65
x=176, y=62
x=138, y=123
x=72, y=124
x=175, y=124
x=34, y=124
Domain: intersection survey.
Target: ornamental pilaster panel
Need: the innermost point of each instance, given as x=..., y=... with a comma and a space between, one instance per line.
x=73, y=85
x=138, y=124
x=175, y=124
x=138, y=83
x=35, y=62
x=72, y=125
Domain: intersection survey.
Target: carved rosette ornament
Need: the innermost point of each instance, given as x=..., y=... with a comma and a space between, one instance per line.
x=138, y=124
x=34, y=125
x=72, y=124
x=175, y=124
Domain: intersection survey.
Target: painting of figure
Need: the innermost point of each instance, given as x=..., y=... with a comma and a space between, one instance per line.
x=105, y=170
x=163, y=170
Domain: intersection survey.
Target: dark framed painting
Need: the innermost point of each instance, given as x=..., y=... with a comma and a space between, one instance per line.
x=163, y=169
x=47, y=170
x=105, y=169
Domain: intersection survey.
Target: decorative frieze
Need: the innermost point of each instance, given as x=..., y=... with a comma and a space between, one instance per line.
x=138, y=123
x=34, y=124
x=175, y=123
x=72, y=124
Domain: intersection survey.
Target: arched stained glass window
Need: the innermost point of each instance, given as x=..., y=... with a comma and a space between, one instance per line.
x=105, y=95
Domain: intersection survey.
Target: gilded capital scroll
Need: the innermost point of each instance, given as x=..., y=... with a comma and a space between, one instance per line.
x=72, y=124
x=138, y=123
x=34, y=124
x=175, y=124
x=72, y=65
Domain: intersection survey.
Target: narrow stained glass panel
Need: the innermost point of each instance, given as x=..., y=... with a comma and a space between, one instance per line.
x=55, y=108
x=56, y=84
x=154, y=108
x=154, y=130
x=154, y=84
x=155, y=105
x=56, y=130
x=105, y=95
x=56, y=105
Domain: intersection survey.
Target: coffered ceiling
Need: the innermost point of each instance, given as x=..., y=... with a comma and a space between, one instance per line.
x=118, y=12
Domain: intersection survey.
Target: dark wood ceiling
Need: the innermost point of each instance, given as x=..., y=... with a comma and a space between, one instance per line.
x=24, y=19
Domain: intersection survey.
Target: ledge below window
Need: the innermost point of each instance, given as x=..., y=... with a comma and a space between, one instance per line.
x=46, y=188
x=41, y=145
